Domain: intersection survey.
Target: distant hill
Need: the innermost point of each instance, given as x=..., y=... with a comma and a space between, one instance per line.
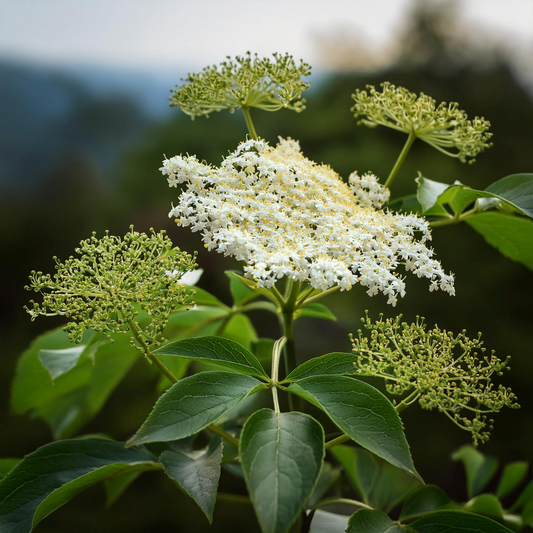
x=46, y=113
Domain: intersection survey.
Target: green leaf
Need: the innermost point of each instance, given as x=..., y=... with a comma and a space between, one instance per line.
x=33, y=385
x=512, y=194
x=181, y=322
x=527, y=513
x=513, y=475
x=525, y=498
x=486, y=504
x=197, y=473
x=405, y=204
x=223, y=352
x=55, y=473
x=456, y=522
x=262, y=349
x=240, y=329
x=202, y=297
x=59, y=362
x=240, y=291
x=316, y=310
x=281, y=455
x=7, y=464
x=429, y=192
x=360, y=466
x=423, y=500
x=511, y=235
x=328, y=476
x=363, y=413
x=372, y=521
x=193, y=403
x=116, y=486
x=177, y=366
x=324, y=522
x=73, y=398
x=377, y=482
x=479, y=468
x=332, y=363
x=517, y=189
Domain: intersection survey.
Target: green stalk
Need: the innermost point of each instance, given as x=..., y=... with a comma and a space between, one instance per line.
x=306, y=301
x=149, y=355
x=406, y=402
x=173, y=379
x=336, y=441
x=249, y=123
x=453, y=220
x=288, y=331
x=346, y=501
x=287, y=308
x=400, y=160
x=276, y=356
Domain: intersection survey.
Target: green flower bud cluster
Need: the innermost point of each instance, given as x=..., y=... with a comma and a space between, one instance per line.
x=103, y=288
x=244, y=82
x=443, y=371
x=445, y=127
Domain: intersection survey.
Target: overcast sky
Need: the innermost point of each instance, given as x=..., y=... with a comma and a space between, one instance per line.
x=177, y=33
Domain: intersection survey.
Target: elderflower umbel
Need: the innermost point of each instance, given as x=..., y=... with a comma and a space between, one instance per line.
x=439, y=369
x=444, y=127
x=244, y=82
x=284, y=215
x=101, y=288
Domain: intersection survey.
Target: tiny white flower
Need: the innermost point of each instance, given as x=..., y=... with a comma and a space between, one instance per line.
x=286, y=216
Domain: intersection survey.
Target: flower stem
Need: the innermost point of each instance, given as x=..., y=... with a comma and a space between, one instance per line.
x=306, y=301
x=249, y=123
x=406, y=402
x=287, y=313
x=149, y=355
x=400, y=160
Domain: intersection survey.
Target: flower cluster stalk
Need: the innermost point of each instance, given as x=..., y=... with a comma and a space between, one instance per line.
x=401, y=159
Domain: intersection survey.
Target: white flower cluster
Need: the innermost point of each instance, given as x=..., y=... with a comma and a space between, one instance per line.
x=368, y=191
x=285, y=215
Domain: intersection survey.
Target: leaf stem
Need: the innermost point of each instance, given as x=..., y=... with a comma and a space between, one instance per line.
x=346, y=501
x=401, y=159
x=453, y=220
x=336, y=441
x=249, y=123
x=224, y=434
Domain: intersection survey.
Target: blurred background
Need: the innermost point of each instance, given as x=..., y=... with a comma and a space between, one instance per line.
x=84, y=124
